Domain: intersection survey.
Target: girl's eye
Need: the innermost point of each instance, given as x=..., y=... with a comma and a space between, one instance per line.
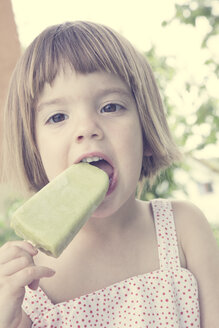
x=110, y=108
x=57, y=118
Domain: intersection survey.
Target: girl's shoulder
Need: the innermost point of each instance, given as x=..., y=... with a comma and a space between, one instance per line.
x=191, y=222
x=202, y=256
x=193, y=229
x=189, y=213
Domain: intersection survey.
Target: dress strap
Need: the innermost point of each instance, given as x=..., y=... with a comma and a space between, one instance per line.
x=166, y=234
x=36, y=305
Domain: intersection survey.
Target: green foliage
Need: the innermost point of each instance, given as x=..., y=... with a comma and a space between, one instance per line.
x=190, y=11
x=204, y=117
x=163, y=72
x=6, y=233
x=206, y=122
x=215, y=229
x=163, y=186
x=9, y=201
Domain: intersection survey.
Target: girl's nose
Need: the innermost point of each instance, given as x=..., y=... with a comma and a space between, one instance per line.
x=86, y=132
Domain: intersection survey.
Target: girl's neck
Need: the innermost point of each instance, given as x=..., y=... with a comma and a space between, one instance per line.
x=113, y=226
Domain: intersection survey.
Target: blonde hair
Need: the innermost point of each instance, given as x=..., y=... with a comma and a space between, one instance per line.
x=87, y=47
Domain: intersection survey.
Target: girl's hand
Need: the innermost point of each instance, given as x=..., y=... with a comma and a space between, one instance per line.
x=17, y=270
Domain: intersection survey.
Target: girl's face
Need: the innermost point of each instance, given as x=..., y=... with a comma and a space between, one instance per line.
x=90, y=117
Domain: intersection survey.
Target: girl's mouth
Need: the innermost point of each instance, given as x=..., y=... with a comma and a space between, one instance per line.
x=104, y=165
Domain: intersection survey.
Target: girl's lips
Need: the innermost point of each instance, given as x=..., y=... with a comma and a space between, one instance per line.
x=113, y=183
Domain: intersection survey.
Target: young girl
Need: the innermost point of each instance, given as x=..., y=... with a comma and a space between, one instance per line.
x=82, y=92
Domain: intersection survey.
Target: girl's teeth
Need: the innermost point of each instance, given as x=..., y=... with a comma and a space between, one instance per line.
x=95, y=159
x=91, y=159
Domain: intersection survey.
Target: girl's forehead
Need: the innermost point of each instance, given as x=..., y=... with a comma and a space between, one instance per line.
x=97, y=80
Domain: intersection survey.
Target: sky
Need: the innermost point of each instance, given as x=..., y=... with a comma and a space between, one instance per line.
x=141, y=22
x=138, y=20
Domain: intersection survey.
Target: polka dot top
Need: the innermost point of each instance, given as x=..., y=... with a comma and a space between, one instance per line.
x=167, y=297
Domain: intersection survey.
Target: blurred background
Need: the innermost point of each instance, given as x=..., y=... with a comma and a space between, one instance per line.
x=181, y=41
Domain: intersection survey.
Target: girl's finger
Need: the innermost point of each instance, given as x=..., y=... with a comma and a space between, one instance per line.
x=25, y=245
x=13, y=250
x=34, y=284
x=16, y=264
x=29, y=274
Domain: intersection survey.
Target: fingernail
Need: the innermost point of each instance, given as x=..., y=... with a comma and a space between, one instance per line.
x=51, y=272
x=32, y=245
x=35, y=249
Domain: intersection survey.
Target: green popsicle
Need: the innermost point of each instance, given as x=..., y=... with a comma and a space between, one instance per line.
x=52, y=217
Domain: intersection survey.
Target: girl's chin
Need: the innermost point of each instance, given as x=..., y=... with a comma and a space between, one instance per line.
x=112, y=205
x=102, y=210
x=106, y=209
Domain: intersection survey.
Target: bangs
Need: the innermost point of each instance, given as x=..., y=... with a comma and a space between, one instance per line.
x=79, y=45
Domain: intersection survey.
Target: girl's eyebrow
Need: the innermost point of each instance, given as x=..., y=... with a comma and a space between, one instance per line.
x=117, y=90
x=53, y=102
x=100, y=93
